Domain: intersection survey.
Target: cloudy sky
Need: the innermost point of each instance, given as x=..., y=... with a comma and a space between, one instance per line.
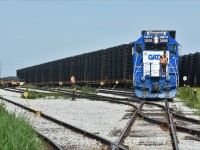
x=37, y=31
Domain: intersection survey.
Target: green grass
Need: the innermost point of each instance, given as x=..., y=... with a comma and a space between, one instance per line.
x=37, y=95
x=83, y=89
x=178, y=111
x=197, y=112
x=16, y=133
x=186, y=94
x=3, y=85
x=86, y=89
x=29, y=86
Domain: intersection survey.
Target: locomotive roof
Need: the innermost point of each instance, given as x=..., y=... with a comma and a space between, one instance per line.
x=172, y=33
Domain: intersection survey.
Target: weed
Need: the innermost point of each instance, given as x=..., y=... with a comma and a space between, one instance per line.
x=29, y=86
x=179, y=111
x=186, y=94
x=17, y=133
x=37, y=95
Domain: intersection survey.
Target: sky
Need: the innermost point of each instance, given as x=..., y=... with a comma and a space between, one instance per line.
x=38, y=31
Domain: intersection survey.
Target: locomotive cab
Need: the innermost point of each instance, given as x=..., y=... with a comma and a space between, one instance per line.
x=151, y=78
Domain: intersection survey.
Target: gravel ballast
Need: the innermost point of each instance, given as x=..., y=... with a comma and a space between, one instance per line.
x=101, y=118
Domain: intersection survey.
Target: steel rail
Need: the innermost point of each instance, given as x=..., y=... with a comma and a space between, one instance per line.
x=97, y=97
x=185, y=118
x=163, y=123
x=152, y=120
x=74, y=128
x=128, y=127
x=50, y=142
x=187, y=130
x=109, y=99
x=121, y=93
x=154, y=104
x=116, y=90
x=178, y=128
x=171, y=124
x=13, y=90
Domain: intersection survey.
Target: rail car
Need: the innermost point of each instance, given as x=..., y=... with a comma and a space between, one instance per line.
x=109, y=66
x=189, y=66
x=142, y=69
x=9, y=81
x=149, y=78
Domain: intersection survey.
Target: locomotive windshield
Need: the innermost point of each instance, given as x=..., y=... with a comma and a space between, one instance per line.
x=152, y=46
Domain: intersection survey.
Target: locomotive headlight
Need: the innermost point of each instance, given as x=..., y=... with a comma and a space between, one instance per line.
x=168, y=78
x=143, y=78
x=156, y=40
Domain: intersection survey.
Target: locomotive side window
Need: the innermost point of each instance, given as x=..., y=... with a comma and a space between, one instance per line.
x=173, y=49
x=139, y=48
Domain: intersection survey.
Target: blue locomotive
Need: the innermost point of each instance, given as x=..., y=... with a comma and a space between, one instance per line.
x=151, y=77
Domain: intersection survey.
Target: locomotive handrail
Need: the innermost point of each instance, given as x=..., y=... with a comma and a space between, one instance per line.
x=136, y=73
x=136, y=59
x=176, y=60
x=135, y=67
x=176, y=73
x=176, y=64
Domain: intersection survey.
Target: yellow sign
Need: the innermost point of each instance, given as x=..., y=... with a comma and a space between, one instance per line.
x=21, y=83
x=102, y=83
x=26, y=94
x=38, y=113
x=60, y=83
x=13, y=83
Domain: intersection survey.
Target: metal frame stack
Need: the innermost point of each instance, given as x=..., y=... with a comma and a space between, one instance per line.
x=108, y=65
x=189, y=66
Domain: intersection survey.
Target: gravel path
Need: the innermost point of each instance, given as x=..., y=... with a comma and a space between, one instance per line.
x=67, y=139
x=104, y=119
x=101, y=118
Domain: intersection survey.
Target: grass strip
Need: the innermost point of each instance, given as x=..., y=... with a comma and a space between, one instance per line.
x=17, y=133
x=37, y=95
x=187, y=94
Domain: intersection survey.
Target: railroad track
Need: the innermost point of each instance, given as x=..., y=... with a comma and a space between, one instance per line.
x=48, y=142
x=161, y=116
x=116, y=92
x=158, y=117
x=59, y=126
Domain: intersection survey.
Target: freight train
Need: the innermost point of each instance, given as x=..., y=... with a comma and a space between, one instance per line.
x=107, y=66
x=189, y=66
x=153, y=77
x=137, y=63
x=9, y=81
